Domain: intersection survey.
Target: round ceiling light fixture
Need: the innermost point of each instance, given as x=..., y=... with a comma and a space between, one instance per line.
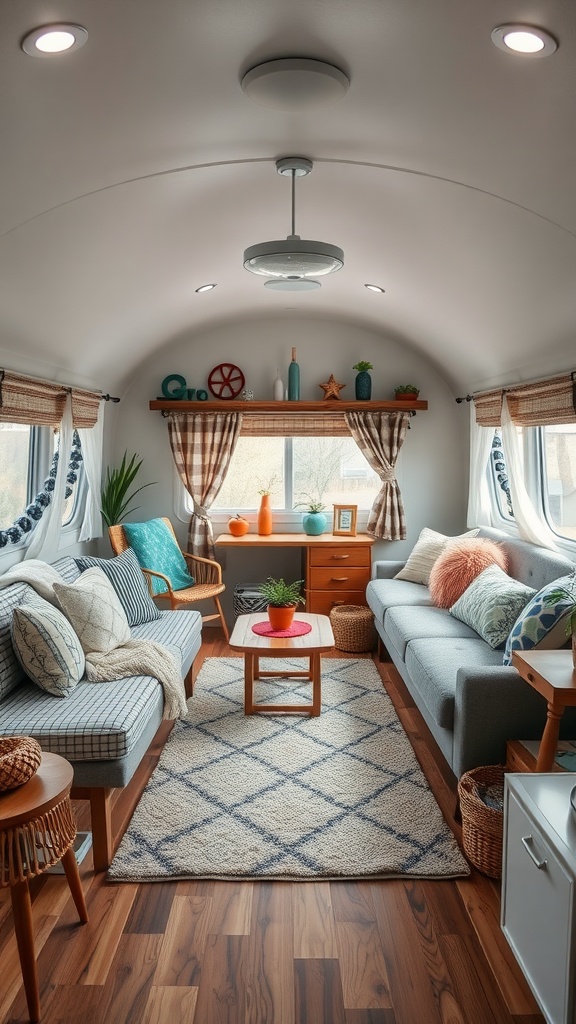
x=299, y=284
x=295, y=83
x=50, y=40
x=293, y=259
x=524, y=39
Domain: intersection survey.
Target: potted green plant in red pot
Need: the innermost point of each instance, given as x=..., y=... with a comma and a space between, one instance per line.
x=283, y=599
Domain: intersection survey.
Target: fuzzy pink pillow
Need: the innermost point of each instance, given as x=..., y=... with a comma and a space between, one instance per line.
x=459, y=564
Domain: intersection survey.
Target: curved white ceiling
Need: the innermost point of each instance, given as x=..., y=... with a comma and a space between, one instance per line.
x=135, y=170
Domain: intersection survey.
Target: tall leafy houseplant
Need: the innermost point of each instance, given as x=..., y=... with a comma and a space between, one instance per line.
x=115, y=497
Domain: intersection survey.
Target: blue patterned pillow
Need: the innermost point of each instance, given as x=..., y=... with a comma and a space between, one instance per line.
x=541, y=624
x=155, y=548
x=47, y=647
x=126, y=577
x=491, y=604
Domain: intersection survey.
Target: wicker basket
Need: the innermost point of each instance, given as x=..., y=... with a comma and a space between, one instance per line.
x=482, y=826
x=353, y=628
x=20, y=758
x=248, y=599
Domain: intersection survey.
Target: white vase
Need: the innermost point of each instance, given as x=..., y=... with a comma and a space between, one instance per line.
x=278, y=388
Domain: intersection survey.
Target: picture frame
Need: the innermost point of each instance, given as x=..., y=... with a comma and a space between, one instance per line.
x=345, y=520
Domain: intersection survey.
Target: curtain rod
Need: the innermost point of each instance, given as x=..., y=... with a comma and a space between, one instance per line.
x=55, y=383
x=518, y=384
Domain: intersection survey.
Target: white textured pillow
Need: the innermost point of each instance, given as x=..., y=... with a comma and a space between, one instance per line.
x=491, y=604
x=47, y=647
x=93, y=607
x=426, y=550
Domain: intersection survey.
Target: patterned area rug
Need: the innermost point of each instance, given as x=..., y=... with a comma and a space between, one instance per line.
x=288, y=796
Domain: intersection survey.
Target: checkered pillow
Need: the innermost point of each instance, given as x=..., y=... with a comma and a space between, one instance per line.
x=126, y=577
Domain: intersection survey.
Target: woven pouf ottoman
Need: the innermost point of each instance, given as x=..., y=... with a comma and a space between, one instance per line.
x=353, y=628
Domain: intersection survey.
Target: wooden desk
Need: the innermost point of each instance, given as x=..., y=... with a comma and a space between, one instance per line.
x=337, y=569
x=552, y=674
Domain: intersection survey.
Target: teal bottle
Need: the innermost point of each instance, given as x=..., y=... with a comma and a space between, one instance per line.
x=293, y=379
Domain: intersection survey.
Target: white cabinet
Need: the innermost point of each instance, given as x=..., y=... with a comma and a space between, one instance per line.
x=539, y=887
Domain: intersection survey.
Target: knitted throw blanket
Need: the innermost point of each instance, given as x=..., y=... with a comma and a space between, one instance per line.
x=142, y=658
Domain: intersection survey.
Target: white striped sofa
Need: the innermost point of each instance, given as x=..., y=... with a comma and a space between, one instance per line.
x=103, y=729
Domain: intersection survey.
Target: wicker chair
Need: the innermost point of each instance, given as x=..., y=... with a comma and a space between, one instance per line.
x=206, y=572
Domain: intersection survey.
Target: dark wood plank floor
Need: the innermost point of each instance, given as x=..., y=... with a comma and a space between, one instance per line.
x=357, y=952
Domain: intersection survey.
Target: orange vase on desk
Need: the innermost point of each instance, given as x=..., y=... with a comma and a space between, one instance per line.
x=265, y=516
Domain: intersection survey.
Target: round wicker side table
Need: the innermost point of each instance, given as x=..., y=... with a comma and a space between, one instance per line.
x=353, y=628
x=37, y=829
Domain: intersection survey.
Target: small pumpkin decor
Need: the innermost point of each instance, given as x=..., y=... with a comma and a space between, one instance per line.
x=406, y=393
x=283, y=599
x=238, y=526
x=313, y=519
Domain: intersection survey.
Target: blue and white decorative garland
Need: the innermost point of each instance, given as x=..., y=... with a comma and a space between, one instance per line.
x=35, y=510
x=500, y=469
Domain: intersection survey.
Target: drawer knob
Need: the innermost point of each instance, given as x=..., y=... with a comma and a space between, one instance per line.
x=339, y=579
x=338, y=557
x=527, y=844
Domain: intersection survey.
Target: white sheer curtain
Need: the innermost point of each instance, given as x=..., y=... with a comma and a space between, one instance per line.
x=481, y=438
x=530, y=526
x=45, y=537
x=91, y=441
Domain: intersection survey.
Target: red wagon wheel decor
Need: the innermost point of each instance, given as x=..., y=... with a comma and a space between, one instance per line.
x=226, y=380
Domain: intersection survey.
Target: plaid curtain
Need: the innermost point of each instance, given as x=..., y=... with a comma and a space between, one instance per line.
x=202, y=445
x=380, y=435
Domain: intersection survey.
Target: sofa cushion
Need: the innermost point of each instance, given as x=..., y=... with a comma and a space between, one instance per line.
x=126, y=577
x=403, y=624
x=426, y=550
x=156, y=548
x=541, y=624
x=433, y=667
x=179, y=631
x=91, y=605
x=491, y=604
x=461, y=562
x=383, y=594
x=97, y=722
x=47, y=647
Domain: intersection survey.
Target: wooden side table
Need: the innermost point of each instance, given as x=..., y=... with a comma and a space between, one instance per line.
x=552, y=674
x=37, y=829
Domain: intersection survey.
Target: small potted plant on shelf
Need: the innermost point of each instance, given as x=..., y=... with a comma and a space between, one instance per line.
x=406, y=393
x=283, y=599
x=313, y=519
x=363, y=381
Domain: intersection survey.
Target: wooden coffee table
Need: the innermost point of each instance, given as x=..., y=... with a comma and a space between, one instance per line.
x=311, y=645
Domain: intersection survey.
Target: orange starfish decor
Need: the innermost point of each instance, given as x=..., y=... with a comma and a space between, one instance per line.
x=332, y=388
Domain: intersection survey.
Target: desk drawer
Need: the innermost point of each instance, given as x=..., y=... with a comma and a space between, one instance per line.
x=345, y=577
x=340, y=555
x=321, y=602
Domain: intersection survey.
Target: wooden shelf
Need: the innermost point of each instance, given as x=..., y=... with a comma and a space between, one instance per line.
x=330, y=405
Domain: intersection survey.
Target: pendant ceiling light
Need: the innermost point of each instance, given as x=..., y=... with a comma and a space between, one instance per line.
x=293, y=258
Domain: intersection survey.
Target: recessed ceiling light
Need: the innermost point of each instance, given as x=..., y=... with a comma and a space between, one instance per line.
x=299, y=284
x=524, y=39
x=53, y=39
x=374, y=288
x=205, y=288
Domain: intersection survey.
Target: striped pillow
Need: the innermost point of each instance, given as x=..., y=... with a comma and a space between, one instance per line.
x=126, y=577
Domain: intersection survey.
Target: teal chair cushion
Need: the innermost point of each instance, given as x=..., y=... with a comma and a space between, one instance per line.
x=155, y=548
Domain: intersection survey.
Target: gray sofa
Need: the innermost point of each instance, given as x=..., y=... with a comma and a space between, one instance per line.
x=103, y=729
x=470, y=701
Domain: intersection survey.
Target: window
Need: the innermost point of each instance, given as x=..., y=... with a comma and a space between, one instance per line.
x=26, y=454
x=330, y=469
x=558, y=450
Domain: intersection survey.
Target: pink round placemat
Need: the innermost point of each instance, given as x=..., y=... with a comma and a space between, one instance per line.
x=297, y=628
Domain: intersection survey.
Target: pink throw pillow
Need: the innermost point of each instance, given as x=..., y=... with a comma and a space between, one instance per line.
x=459, y=564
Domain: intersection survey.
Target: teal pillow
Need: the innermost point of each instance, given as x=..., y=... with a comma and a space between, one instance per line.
x=155, y=548
x=541, y=624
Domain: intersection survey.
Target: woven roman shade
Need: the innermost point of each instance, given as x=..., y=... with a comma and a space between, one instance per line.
x=26, y=400
x=544, y=403
x=488, y=408
x=331, y=423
